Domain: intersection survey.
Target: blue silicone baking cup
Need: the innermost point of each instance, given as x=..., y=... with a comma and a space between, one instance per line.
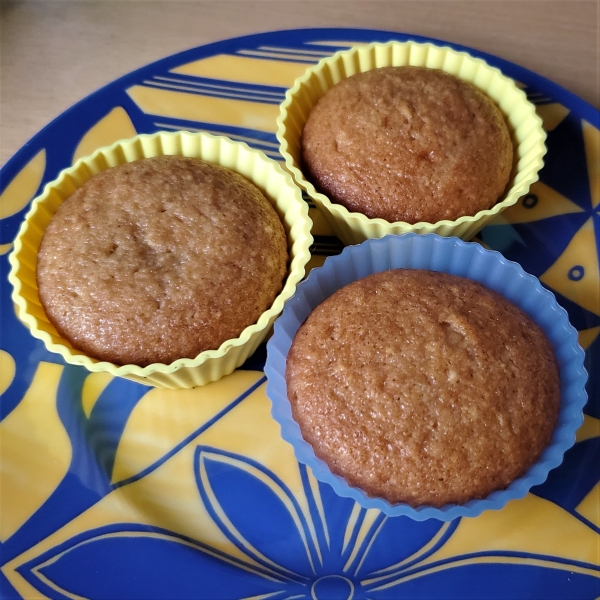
x=448, y=255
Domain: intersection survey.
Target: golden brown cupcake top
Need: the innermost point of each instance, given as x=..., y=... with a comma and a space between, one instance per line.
x=408, y=144
x=423, y=388
x=160, y=259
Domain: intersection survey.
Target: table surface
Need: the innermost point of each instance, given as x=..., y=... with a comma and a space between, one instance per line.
x=56, y=53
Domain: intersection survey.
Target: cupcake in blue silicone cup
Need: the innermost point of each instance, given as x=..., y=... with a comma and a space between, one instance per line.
x=426, y=376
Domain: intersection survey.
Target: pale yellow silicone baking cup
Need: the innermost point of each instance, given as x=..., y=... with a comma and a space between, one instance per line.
x=208, y=366
x=524, y=124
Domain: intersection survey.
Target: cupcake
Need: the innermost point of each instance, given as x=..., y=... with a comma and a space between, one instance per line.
x=163, y=259
x=426, y=376
x=399, y=137
x=407, y=144
x=416, y=387
x=160, y=259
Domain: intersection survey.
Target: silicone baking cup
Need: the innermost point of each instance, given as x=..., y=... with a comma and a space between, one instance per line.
x=524, y=124
x=208, y=366
x=449, y=255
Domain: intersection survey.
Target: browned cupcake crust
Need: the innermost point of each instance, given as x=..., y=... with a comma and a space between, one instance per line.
x=408, y=144
x=160, y=259
x=423, y=388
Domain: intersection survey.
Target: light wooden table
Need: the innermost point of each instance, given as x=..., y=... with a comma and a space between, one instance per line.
x=53, y=53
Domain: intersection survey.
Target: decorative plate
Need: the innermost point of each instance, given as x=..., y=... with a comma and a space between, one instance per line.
x=110, y=489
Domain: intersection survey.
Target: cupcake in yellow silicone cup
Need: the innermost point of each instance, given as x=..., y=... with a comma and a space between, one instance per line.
x=163, y=259
x=409, y=137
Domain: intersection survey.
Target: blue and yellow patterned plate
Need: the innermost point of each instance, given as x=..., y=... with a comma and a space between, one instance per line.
x=113, y=490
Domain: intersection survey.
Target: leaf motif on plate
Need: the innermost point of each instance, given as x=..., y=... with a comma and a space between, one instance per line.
x=35, y=448
x=114, y=126
x=22, y=188
x=140, y=562
x=164, y=419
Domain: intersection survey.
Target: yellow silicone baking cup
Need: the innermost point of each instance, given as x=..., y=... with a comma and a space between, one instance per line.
x=524, y=124
x=208, y=366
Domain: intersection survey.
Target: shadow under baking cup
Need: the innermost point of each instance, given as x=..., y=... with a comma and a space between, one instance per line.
x=265, y=173
x=524, y=124
x=448, y=255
